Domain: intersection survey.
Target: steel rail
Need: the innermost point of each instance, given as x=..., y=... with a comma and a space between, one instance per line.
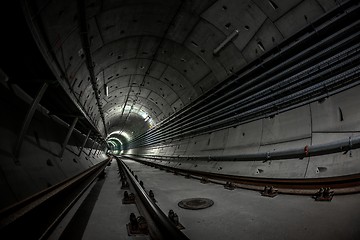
x=49, y=206
x=348, y=184
x=167, y=229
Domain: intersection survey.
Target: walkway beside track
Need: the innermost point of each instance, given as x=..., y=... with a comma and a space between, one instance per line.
x=102, y=215
x=109, y=217
x=245, y=214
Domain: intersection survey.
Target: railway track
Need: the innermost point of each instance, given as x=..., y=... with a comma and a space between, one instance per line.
x=36, y=216
x=341, y=185
x=39, y=215
x=159, y=225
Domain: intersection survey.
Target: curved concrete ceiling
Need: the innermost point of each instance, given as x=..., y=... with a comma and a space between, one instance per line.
x=155, y=57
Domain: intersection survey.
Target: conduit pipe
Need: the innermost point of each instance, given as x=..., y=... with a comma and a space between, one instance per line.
x=203, y=110
x=223, y=119
x=266, y=94
x=169, y=126
x=318, y=27
x=345, y=145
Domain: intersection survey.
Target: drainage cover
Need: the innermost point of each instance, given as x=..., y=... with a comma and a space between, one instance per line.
x=196, y=203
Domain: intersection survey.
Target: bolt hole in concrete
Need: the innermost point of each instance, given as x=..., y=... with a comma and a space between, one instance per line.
x=196, y=203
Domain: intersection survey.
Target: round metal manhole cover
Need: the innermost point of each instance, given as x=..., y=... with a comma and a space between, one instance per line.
x=196, y=203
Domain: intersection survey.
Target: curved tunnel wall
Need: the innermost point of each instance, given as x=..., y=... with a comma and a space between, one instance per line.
x=184, y=66
x=158, y=56
x=322, y=122
x=38, y=165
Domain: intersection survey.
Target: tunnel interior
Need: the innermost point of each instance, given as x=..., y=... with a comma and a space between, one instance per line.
x=257, y=90
x=132, y=66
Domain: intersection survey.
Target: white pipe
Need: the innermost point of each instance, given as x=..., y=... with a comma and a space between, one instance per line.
x=106, y=90
x=228, y=39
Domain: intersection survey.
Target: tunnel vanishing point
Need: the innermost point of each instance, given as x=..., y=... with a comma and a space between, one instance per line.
x=254, y=93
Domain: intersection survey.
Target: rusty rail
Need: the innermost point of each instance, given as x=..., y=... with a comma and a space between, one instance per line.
x=36, y=216
x=164, y=228
x=342, y=185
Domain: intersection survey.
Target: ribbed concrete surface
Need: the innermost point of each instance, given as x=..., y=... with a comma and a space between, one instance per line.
x=243, y=214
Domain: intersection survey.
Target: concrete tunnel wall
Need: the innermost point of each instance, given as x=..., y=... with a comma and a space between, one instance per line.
x=39, y=165
x=335, y=119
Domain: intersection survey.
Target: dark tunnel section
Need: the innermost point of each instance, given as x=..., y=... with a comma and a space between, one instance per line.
x=45, y=138
x=40, y=150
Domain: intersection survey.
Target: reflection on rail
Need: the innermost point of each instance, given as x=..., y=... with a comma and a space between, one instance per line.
x=341, y=185
x=37, y=216
x=160, y=225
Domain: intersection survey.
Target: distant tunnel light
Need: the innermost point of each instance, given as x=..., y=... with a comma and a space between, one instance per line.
x=123, y=133
x=114, y=139
x=114, y=144
x=143, y=114
x=106, y=87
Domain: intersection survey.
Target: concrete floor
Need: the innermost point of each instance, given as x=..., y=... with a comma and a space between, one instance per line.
x=244, y=214
x=109, y=217
x=237, y=214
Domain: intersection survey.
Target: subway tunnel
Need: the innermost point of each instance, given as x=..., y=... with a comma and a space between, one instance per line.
x=251, y=106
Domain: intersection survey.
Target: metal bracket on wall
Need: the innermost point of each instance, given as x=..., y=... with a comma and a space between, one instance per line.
x=101, y=147
x=71, y=129
x=97, y=148
x=27, y=122
x=84, y=143
x=92, y=147
x=85, y=43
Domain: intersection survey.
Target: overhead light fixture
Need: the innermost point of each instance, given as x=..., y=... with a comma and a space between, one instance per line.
x=106, y=87
x=273, y=5
x=261, y=46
